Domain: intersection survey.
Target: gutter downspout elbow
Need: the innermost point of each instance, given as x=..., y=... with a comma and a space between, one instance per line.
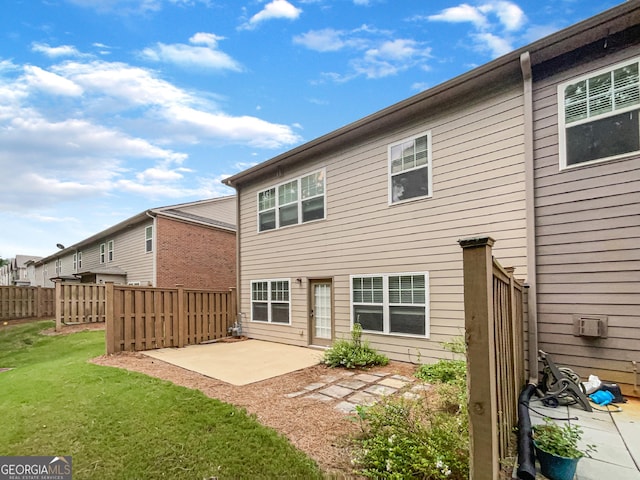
x=532, y=305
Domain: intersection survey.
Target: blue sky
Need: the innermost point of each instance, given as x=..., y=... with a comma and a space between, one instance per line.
x=110, y=107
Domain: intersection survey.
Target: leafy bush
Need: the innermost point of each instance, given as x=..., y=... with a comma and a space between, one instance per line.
x=354, y=353
x=404, y=438
x=446, y=371
x=424, y=438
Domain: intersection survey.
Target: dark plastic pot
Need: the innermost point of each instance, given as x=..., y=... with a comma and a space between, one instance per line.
x=554, y=467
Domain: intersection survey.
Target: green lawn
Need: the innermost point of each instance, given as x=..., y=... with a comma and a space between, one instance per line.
x=124, y=425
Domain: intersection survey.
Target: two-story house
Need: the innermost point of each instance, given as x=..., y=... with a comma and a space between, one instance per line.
x=361, y=224
x=192, y=244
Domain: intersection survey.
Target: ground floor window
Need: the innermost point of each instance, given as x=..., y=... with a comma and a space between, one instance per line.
x=270, y=301
x=391, y=303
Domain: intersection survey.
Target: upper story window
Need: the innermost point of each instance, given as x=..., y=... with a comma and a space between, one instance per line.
x=58, y=267
x=297, y=201
x=148, y=239
x=110, y=251
x=410, y=168
x=77, y=261
x=103, y=250
x=391, y=303
x=270, y=301
x=598, y=116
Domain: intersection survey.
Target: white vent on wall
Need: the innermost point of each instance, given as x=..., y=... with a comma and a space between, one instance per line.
x=593, y=326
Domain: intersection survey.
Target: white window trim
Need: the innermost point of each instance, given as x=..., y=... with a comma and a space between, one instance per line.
x=299, y=201
x=386, y=304
x=562, y=127
x=269, y=280
x=429, y=169
x=102, y=253
x=146, y=229
x=110, y=251
x=79, y=264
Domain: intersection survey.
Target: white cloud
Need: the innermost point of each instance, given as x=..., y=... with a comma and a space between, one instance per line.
x=117, y=128
x=494, y=22
x=55, y=52
x=461, y=13
x=496, y=45
x=376, y=55
x=325, y=40
x=195, y=55
x=273, y=10
x=49, y=82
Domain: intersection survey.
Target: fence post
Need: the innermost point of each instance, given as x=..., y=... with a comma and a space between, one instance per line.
x=182, y=318
x=58, y=306
x=109, y=327
x=481, y=364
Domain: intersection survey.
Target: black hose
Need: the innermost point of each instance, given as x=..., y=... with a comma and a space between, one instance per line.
x=526, y=454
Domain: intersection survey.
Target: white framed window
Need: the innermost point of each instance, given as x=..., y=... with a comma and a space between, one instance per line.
x=270, y=301
x=58, y=267
x=598, y=115
x=148, y=239
x=110, y=251
x=103, y=250
x=395, y=304
x=410, y=170
x=79, y=261
x=296, y=201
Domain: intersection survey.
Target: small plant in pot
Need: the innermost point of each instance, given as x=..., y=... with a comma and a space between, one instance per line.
x=557, y=449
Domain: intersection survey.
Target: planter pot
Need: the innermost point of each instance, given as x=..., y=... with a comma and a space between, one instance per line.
x=554, y=467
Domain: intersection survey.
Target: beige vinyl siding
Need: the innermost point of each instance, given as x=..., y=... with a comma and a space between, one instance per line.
x=478, y=189
x=222, y=209
x=587, y=237
x=130, y=255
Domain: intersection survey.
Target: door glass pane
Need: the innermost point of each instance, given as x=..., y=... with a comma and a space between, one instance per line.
x=322, y=310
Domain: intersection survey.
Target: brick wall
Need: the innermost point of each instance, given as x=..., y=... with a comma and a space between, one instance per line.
x=194, y=255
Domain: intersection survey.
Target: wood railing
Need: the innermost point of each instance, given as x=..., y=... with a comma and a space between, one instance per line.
x=26, y=302
x=494, y=325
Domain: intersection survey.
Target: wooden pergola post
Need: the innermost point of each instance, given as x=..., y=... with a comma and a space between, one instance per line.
x=481, y=364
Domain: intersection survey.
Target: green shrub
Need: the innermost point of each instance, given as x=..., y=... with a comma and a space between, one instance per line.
x=414, y=439
x=446, y=371
x=443, y=371
x=354, y=353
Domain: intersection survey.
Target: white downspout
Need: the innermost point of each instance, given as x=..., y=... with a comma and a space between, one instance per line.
x=154, y=248
x=532, y=304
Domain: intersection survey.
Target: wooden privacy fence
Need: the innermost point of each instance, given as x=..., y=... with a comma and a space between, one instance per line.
x=26, y=302
x=147, y=318
x=79, y=303
x=494, y=318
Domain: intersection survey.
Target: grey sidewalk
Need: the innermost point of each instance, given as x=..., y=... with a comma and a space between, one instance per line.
x=615, y=434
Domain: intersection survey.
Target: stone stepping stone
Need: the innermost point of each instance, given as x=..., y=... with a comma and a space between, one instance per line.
x=363, y=398
x=336, y=391
x=367, y=377
x=393, y=383
x=351, y=383
x=381, y=390
x=346, y=407
x=315, y=386
x=296, y=394
x=319, y=396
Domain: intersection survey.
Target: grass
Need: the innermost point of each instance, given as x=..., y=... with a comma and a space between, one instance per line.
x=123, y=425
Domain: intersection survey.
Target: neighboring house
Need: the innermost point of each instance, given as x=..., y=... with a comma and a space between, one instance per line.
x=18, y=271
x=192, y=244
x=362, y=224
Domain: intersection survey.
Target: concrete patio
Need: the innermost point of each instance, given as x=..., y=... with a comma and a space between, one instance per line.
x=616, y=435
x=241, y=362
